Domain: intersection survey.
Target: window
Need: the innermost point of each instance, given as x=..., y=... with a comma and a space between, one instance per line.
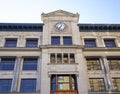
x=28, y=85
x=67, y=40
x=116, y=84
x=11, y=43
x=32, y=43
x=52, y=58
x=7, y=64
x=65, y=58
x=114, y=63
x=5, y=85
x=55, y=40
x=97, y=85
x=90, y=43
x=72, y=58
x=60, y=58
x=109, y=43
x=63, y=82
x=93, y=64
x=30, y=64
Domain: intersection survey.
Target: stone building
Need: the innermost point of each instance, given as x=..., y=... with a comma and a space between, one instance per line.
x=59, y=56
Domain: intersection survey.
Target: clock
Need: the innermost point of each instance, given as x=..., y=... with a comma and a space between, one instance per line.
x=60, y=26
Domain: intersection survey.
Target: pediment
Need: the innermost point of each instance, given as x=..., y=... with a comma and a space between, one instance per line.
x=60, y=13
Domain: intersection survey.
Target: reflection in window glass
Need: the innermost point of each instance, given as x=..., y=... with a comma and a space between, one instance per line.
x=97, y=84
x=65, y=58
x=63, y=82
x=93, y=64
x=114, y=63
x=116, y=84
x=52, y=58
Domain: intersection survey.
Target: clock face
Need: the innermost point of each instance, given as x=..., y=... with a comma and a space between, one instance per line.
x=60, y=26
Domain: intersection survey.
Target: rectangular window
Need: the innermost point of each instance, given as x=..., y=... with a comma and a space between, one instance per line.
x=114, y=63
x=59, y=58
x=28, y=85
x=52, y=58
x=11, y=43
x=32, y=43
x=30, y=64
x=7, y=64
x=116, y=84
x=72, y=58
x=55, y=40
x=63, y=82
x=97, y=85
x=67, y=40
x=65, y=58
x=5, y=85
x=90, y=43
x=109, y=42
x=93, y=64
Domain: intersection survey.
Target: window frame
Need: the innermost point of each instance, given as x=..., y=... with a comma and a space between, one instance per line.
x=91, y=42
x=55, y=40
x=108, y=44
x=7, y=64
x=100, y=85
x=27, y=64
x=10, y=42
x=31, y=43
x=67, y=40
x=93, y=63
x=114, y=66
x=29, y=84
x=115, y=84
x=5, y=84
x=72, y=84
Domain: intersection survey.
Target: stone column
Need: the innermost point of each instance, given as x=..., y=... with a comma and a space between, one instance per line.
x=39, y=74
x=16, y=74
x=82, y=78
x=106, y=73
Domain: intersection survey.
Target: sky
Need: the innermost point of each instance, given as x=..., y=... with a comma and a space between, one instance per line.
x=29, y=11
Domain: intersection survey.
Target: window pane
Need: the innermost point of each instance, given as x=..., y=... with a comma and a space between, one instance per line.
x=59, y=58
x=90, y=43
x=110, y=43
x=114, y=63
x=11, y=43
x=67, y=40
x=31, y=43
x=52, y=58
x=63, y=82
x=7, y=64
x=28, y=85
x=55, y=40
x=93, y=64
x=30, y=64
x=5, y=85
x=116, y=84
x=72, y=58
x=65, y=58
x=97, y=85
x=53, y=82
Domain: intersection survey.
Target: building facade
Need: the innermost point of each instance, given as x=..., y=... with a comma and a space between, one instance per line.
x=59, y=56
